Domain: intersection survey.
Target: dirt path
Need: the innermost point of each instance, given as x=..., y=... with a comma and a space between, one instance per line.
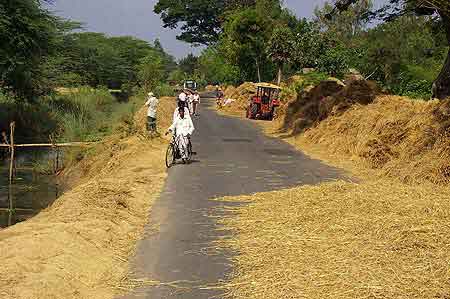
x=234, y=158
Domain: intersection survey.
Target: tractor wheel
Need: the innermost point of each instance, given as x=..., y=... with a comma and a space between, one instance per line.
x=271, y=114
x=253, y=111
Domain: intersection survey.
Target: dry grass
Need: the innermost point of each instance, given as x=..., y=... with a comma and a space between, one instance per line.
x=402, y=138
x=386, y=237
x=210, y=88
x=380, y=239
x=79, y=247
x=241, y=95
x=329, y=98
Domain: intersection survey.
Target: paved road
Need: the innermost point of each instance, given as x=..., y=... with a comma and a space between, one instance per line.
x=234, y=158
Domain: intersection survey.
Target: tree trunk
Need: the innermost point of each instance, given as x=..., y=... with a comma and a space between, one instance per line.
x=280, y=73
x=441, y=87
x=259, y=72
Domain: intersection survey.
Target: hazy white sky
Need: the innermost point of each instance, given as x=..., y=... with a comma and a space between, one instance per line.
x=136, y=18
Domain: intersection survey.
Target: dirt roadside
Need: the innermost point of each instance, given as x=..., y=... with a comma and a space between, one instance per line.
x=79, y=247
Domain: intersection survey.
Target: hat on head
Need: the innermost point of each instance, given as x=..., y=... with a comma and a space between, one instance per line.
x=151, y=94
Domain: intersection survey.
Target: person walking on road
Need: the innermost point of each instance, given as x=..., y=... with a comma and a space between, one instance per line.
x=152, y=104
x=219, y=99
x=183, y=128
x=190, y=101
x=196, y=102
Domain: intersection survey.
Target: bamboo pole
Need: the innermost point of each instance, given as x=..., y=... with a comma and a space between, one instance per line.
x=11, y=202
x=67, y=144
x=11, y=163
x=16, y=209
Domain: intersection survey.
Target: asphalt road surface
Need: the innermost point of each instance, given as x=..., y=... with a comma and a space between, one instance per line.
x=233, y=157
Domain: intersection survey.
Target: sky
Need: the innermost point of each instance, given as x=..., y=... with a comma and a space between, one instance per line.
x=136, y=18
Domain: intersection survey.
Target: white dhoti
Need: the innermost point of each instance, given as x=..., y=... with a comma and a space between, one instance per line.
x=183, y=142
x=182, y=127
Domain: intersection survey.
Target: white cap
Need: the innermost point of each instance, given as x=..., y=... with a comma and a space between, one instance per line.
x=150, y=94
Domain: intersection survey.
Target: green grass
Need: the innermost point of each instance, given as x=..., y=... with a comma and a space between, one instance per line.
x=84, y=115
x=90, y=114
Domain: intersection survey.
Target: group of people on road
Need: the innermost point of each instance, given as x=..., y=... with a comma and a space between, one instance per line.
x=191, y=100
x=182, y=126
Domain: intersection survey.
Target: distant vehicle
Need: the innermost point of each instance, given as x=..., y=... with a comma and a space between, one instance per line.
x=264, y=103
x=190, y=84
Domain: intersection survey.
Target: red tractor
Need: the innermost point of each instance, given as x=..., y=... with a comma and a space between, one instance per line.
x=263, y=104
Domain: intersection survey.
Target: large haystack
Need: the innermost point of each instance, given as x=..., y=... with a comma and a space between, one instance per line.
x=404, y=138
x=240, y=95
x=210, y=88
x=330, y=97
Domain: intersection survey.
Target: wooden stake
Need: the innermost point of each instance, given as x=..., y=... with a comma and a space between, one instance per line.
x=11, y=163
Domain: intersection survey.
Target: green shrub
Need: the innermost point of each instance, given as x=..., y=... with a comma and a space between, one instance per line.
x=85, y=114
x=164, y=90
x=415, y=81
x=313, y=78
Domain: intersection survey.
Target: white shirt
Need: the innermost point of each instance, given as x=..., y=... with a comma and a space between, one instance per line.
x=176, y=113
x=197, y=98
x=190, y=98
x=183, y=126
x=152, y=104
x=182, y=97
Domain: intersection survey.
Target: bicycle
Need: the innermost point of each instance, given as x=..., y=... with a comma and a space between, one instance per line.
x=173, y=152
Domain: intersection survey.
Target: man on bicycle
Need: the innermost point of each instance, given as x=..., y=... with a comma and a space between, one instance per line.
x=183, y=128
x=176, y=113
x=182, y=98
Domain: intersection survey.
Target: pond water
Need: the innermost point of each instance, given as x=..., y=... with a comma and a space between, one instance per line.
x=31, y=191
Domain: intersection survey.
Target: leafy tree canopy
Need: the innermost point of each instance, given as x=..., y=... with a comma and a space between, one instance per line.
x=395, y=8
x=27, y=34
x=200, y=21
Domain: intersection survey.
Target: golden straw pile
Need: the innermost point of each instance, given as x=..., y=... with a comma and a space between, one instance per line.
x=80, y=246
x=409, y=139
x=241, y=95
x=342, y=240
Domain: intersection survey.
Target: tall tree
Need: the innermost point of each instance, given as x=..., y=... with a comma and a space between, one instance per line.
x=151, y=71
x=200, y=21
x=188, y=64
x=396, y=8
x=347, y=24
x=245, y=38
x=216, y=69
x=281, y=48
x=27, y=32
x=168, y=60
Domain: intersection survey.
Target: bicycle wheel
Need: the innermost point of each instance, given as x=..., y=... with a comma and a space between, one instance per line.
x=189, y=151
x=170, y=155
